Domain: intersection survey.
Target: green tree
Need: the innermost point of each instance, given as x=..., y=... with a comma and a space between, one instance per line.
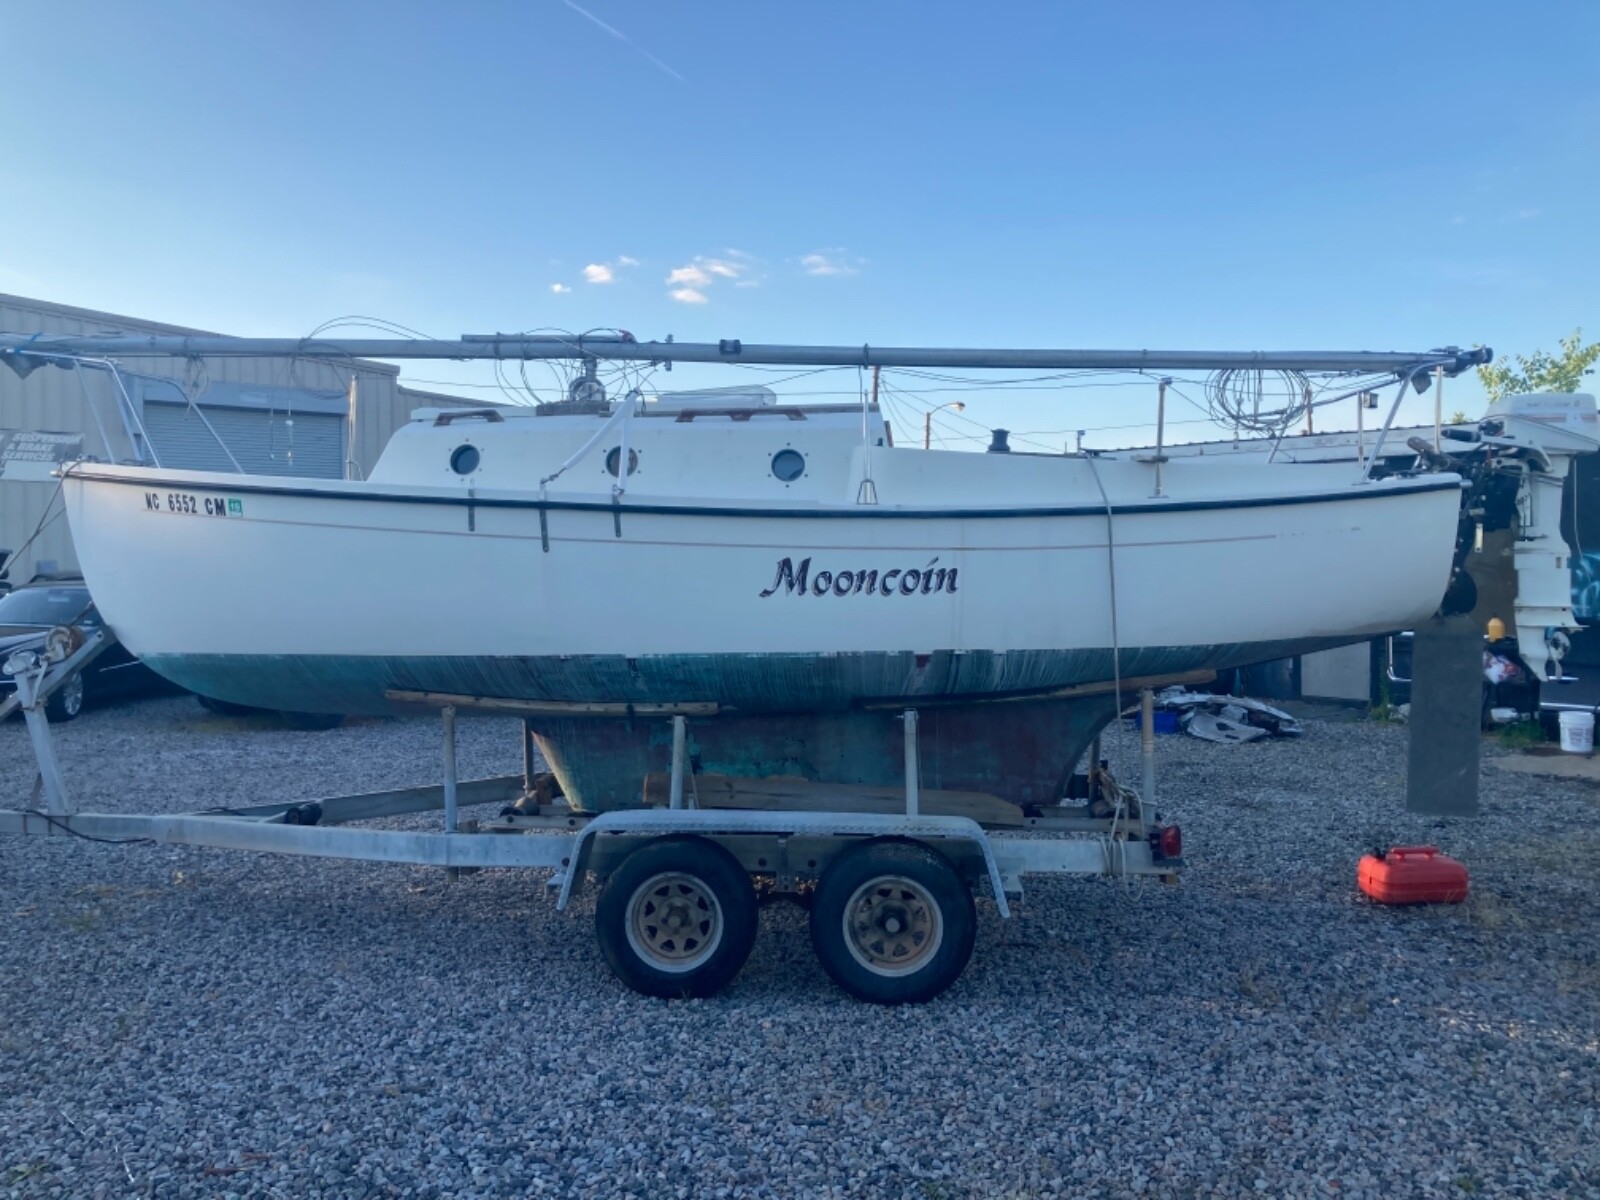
x=1541, y=372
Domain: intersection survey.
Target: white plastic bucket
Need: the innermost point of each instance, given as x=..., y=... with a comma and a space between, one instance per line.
x=1577, y=732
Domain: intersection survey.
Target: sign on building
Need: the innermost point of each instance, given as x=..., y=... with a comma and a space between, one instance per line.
x=31, y=454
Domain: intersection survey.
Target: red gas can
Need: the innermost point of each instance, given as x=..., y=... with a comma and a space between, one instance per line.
x=1412, y=875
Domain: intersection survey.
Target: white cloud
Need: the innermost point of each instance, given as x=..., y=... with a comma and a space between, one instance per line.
x=829, y=262
x=606, y=272
x=706, y=270
x=560, y=289
x=1522, y=214
x=1458, y=219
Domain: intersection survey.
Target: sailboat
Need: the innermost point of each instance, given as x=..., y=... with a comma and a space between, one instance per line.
x=783, y=574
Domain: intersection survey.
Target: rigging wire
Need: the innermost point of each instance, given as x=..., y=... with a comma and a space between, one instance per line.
x=939, y=413
x=1241, y=399
x=1116, y=637
x=46, y=518
x=1235, y=398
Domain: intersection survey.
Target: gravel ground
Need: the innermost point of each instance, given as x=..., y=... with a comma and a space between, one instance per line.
x=180, y=1022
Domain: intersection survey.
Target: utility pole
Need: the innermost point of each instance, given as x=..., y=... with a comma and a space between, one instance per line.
x=927, y=421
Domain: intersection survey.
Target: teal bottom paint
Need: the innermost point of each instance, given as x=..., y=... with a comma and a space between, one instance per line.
x=802, y=715
x=755, y=683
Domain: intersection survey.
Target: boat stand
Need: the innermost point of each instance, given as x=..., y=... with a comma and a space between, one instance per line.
x=890, y=894
x=38, y=675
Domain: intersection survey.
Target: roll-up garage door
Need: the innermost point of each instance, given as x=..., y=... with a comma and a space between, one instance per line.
x=270, y=436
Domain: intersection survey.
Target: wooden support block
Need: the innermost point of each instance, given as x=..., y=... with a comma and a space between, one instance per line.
x=790, y=793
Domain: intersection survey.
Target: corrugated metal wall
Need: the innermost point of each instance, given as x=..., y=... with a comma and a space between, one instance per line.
x=310, y=445
x=54, y=399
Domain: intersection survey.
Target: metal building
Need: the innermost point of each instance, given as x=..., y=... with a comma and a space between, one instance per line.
x=264, y=416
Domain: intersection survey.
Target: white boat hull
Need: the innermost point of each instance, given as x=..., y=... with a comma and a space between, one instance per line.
x=328, y=596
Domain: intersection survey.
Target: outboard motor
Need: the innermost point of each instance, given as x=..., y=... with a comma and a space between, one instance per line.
x=1514, y=465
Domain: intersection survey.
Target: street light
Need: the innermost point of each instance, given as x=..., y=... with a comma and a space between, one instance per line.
x=927, y=421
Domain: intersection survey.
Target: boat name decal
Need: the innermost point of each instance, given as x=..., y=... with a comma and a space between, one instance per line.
x=792, y=580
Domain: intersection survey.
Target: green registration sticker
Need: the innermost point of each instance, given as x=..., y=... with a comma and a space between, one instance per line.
x=235, y=507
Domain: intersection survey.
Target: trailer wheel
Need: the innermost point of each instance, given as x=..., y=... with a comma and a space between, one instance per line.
x=677, y=918
x=893, y=923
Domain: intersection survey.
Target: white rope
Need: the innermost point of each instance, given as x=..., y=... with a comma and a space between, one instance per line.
x=46, y=517
x=622, y=414
x=1115, y=848
x=629, y=403
x=1111, y=562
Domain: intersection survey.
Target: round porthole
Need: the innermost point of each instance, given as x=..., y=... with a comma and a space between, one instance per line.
x=464, y=459
x=615, y=457
x=788, y=465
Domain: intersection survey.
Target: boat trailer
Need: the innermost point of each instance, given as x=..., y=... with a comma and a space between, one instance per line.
x=890, y=894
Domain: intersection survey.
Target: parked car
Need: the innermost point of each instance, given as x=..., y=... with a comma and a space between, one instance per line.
x=28, y=613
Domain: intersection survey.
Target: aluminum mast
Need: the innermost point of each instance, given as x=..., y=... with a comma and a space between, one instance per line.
x=18, y=351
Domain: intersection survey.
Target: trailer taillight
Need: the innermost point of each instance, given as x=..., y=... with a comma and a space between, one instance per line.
x=1167, y=841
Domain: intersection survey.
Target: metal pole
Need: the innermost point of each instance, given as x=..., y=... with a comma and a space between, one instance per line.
x=1383, y=433
x=1361, y=425
x=927, y=420
x=449, y=715
x=1305, y=396
x=612, y=349
x=132, y=420
x=88, y=402
x=1276, y=442
x=680, y=729
x=875, y=372
x=350, y=469
x=527, y=758
x=1147, y=747
x=1438, y=409
x=913, y=783
x=55, y=792
x=215, y=436
x=1161, y=429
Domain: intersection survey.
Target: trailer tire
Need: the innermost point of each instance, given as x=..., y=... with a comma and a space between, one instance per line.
x=677, y=918
x=893, y=923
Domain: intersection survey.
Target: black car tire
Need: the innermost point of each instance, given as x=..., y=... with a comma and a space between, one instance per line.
x=67, y=700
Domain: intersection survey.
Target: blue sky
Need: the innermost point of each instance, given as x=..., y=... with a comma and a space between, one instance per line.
x=1219, y=175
